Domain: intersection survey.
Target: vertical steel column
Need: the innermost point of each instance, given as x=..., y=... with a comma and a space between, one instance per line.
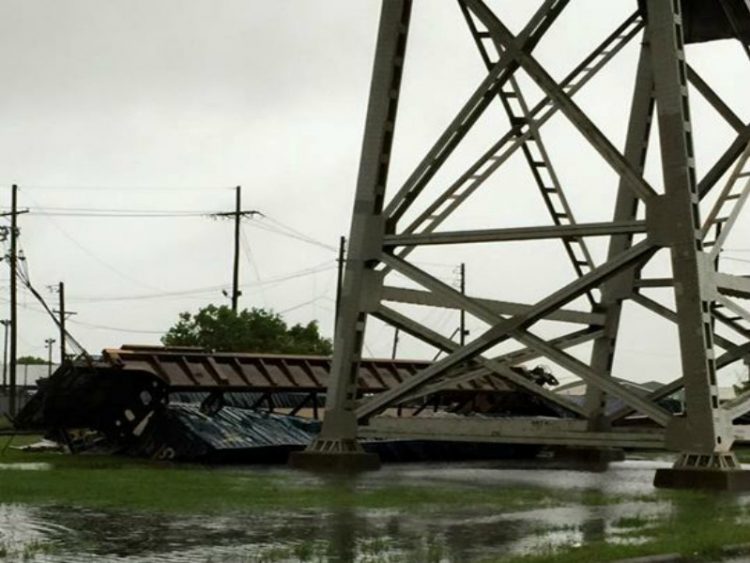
x=675, y=222
x=617, y=289
x=339, y=431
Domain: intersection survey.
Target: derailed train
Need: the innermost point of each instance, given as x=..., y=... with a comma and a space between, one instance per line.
x=191, y=404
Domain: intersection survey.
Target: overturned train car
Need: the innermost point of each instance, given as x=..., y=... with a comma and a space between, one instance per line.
x=194, y=405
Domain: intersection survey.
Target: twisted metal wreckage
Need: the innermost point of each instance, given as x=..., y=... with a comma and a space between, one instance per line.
x=190, y=404
x=644, y=221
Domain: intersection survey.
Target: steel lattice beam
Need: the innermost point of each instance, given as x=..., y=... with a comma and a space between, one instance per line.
x=381, y=245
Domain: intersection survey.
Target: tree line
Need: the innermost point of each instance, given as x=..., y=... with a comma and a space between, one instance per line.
x=219, y=329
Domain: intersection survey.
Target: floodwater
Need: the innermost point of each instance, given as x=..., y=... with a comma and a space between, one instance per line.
x=65, y=534
x=26, y=466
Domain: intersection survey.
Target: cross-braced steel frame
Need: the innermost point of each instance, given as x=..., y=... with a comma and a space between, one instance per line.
x=381, y=242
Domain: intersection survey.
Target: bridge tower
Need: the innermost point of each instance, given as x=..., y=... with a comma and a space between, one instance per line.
x=686, y=220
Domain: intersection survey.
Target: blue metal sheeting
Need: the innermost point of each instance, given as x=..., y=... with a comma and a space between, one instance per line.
x=240, y=429
x=238, y=435
x=245, y=399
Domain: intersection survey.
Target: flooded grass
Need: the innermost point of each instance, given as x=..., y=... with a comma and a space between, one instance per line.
x=116, y=482
x=637, y=521
x=699, y=526
x=696, y=542
x=117, y=509
x=23, y=553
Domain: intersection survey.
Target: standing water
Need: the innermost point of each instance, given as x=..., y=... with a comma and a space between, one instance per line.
x=423, y=533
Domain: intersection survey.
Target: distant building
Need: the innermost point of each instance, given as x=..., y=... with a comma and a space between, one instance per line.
x=578, y=389
x=27, y=376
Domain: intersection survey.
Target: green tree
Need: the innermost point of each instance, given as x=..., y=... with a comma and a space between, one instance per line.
x=31, y=361
x=255, y=330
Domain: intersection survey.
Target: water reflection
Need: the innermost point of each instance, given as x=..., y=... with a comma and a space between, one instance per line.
x=633, y=477
x=346, y=533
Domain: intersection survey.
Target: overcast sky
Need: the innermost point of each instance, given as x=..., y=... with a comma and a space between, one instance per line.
x=166, y=105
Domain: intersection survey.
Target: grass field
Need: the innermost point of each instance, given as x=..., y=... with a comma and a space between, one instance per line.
x=699, y=525
x=117, y=482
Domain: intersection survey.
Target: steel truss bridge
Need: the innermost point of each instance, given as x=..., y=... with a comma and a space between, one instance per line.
x=677, y=219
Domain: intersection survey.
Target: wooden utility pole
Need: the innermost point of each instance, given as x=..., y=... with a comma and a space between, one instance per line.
x=61, y=312
x=13, y=298
x=238, y=214
x=462, y=326
x=13, y=321
x=339, y=280
x=62, y=316
x=236, y=269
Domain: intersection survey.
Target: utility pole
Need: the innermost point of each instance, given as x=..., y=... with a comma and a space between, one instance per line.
x=13, y=321
x=462, y=326
x=6, y=324
x=62, y=317
x=462, y=332
x=236, y=269
x=395, y=344
x=48, y=344
x=13, y=298
x=61, y=312
x=339, y=279
x=238, y=214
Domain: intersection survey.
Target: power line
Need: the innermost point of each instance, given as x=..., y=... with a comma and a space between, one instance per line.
x=300, y=305
x=106, y=215
x=23, y=275
x=118, y=212
x=276, y=226
x=96, y=258
x=81, y=323
x=279, y=229
x=185, y=293
x=253, y=265
x=117, y=329
x=101, y=188
x=298, y=233
x=322, y=267
x=115, y=210
x=47, y=311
